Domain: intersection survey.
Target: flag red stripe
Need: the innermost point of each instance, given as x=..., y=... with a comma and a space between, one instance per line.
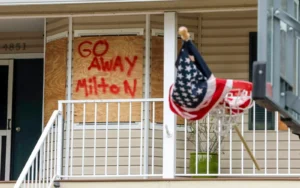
x=222, y=88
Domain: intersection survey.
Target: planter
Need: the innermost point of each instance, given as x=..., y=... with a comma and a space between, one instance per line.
x=202, y=164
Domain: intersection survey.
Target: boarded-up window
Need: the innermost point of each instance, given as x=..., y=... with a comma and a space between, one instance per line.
x=109, y=67
x=55, y=75
x=157, y=76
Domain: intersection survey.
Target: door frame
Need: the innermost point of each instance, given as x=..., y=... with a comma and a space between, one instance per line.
x=8, y=59
x=7, y=132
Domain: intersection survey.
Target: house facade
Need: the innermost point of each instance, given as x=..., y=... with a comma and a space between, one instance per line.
x=110, y=64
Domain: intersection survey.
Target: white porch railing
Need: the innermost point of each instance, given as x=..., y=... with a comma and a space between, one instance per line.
x=112, y=138
x=40, y=169
x=275, y=150
x=124, y=138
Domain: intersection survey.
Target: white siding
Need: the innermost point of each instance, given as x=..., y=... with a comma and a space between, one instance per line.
x=223, y=39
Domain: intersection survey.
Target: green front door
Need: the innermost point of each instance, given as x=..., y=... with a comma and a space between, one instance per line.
x=26, y=111
x=6, y=77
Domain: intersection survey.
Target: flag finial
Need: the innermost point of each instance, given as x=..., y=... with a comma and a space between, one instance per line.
x=183, y=31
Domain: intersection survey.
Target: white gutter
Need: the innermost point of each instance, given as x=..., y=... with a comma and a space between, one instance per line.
x=52, y=2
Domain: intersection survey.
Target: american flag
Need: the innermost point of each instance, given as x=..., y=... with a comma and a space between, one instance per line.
x=196, y=91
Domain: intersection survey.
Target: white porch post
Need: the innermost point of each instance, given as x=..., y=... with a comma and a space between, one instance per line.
x=69, y=94
x=169, y=133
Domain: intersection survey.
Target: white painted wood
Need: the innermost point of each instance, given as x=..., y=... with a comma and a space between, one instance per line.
x=53, y=2
x=69, y=90
x=23, y=56
x=169, y=119
x=99, y=32
x=147, y=91
x=57, y=36
x=44, y=69
x=141, y=12
x=7, y=132
x=9, y=116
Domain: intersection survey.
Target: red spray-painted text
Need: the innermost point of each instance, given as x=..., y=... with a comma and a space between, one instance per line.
x=92, y=85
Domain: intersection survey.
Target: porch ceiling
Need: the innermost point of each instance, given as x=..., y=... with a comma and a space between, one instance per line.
x=55, y=10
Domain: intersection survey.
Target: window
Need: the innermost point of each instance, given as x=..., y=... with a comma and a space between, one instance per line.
x=259, y=111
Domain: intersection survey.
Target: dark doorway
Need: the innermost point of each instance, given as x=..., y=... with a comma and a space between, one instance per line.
x=4, y=74
x=26, y=111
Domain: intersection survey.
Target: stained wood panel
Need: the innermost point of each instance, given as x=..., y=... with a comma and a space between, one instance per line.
x=55, y=75
x=157, y=76
x=21, y=42
x=108, y=67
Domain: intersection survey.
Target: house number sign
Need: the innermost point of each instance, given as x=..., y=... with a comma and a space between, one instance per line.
x=10, y=47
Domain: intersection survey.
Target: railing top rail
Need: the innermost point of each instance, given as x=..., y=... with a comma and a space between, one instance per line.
x=36, y=149
x=112, y=100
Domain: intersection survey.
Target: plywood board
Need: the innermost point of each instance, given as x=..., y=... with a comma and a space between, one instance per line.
x=109, y=67
x=157, y=76
x=55, y=75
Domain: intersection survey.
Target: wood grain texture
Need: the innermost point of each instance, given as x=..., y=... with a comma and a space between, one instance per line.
x=55, y=75
x=119, y=46
x=157, y=76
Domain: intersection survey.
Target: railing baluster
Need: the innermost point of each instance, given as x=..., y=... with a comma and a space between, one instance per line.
x=72, y=140
x=44, y=165
x=141, y=140
x=185, y=144
x=219, y=146
x=254, y=127
x=32, y=174
x=83, y=138
x=51, y=164
x=153, y=135
x=289, y=151
x=106, y=137
x=197, y=145
x=242, y=146
x=266, y=125
x=48, y=161
x=95, y=136
x=230, y=149
x=55, y=145
x=27, y=181
x=207, y=143
x=36, y=171
x=118, y=139
x=40, y=169
x=277, y=142
x=129, y=142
